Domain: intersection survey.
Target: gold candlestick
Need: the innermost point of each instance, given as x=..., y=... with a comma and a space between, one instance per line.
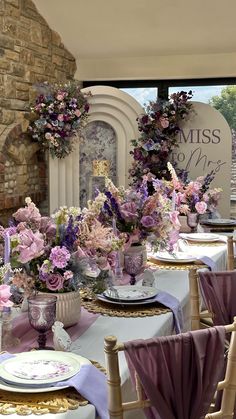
x=101, y=167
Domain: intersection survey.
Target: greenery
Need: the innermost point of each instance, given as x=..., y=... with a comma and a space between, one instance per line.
x=226, y=105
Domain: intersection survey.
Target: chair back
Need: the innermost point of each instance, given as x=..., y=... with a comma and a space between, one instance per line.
x=160, y=368
x=230, y=253
x=218, y=290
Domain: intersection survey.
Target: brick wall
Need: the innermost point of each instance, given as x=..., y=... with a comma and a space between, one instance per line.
x=30, y=52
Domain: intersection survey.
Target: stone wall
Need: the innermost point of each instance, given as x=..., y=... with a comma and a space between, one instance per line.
x=30, y=52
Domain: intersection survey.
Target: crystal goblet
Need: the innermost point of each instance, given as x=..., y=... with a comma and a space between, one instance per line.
x=42, y=315
x=133, y=264
x=192, y=221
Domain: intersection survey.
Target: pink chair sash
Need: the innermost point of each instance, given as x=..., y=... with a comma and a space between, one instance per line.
x=178, y=373
x=218, y=291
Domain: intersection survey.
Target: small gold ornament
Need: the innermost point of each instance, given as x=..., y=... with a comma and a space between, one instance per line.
x=101, y=167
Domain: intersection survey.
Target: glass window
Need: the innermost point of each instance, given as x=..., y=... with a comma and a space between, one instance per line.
x=200, y=93
x=143, y=95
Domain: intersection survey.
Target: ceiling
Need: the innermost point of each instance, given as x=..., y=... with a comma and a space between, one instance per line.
x=109, y=31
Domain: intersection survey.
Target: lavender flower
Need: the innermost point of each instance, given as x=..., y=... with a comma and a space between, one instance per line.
x=59, y=256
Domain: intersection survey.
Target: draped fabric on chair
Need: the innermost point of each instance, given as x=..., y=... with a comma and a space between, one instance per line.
x=218, y=291
x=178, y=373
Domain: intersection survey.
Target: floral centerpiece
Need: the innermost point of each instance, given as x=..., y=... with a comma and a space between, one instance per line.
x=194, y=196
x=137, y=216
x=54, y=252
x=159, y=127
x=59, y=113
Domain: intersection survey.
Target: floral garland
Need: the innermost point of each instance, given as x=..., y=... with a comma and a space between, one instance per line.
x=59, y=113
x=159, y=127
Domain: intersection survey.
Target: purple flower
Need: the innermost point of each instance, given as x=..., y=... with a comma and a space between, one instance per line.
x=55, y=282
x=147, y=221
x=129, y=211
x=59, y=256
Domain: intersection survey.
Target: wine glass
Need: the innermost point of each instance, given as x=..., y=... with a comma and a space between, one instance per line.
x=192, y=220
x=133, y=263
x=42, y=315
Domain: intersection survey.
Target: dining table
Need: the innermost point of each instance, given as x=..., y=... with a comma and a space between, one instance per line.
x=90, y=343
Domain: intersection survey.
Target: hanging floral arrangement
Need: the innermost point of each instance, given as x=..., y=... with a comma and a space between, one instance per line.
x=159, y=126
x=59, y=113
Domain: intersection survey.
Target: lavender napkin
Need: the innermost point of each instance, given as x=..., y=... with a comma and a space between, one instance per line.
x=173, y=303
x=89, y=382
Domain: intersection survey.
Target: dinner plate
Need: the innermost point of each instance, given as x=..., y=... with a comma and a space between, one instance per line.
x=127, y=293
x=126, y=303
x=40, y=367
x=176, y=257
x=219, y=222
x=202, y=237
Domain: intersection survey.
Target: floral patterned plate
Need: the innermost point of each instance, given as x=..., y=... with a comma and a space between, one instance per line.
x=128, y=293
x=40, y=367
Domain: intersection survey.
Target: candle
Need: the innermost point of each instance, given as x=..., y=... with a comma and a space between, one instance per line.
x=7, y=252
x=7, y=248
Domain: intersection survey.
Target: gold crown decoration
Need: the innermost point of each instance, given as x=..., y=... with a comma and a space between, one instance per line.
x=101, y=167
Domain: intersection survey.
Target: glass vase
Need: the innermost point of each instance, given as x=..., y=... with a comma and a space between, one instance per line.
x=192, y=221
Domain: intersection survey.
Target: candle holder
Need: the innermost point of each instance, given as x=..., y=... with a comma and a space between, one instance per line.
x=42, y=315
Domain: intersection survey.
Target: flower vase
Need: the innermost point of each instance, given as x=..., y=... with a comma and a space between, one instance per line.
x=184, y=228
x=68, y=307
x=192, y=221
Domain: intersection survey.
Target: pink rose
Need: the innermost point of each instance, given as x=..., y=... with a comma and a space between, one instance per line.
x=164, y=122
x=60, y=96
x=4, y=296
x=60, y=117
x=28, y=214
x=201, y=207
x=55, y=282
x=31, y=245
x=77, y=113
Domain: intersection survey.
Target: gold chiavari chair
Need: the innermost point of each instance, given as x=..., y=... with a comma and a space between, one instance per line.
x=117, y=407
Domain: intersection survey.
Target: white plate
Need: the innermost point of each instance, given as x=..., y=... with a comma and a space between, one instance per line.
x=220, y=221
x=202, y=237
x=130, y=293
x=125, y=303
x=176, y=257
x=40, y=367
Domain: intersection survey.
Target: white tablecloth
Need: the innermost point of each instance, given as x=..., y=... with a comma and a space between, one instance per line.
x=90, y=344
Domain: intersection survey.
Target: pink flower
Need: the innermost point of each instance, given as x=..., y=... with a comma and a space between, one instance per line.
x=175, y=219
x=129, y=211
x=60, y=96
x=55, y=282
x=28, y=214
x=164, y=122
x=68, y=275
x=201, y=207
x=31, y=245
x=60, y=117
x=47, y=226
x=4, y=296
x=111, y=259
x=59, y=256
x=77, y=113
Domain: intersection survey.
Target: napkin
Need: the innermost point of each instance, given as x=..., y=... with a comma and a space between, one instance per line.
x=173, y=304
x=204, y=259
x=89, y=382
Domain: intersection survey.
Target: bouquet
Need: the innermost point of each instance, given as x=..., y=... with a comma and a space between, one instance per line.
x=194, y=196
x=135, y=215
x=54, y=252
x=59, y=113
x=159, y=127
